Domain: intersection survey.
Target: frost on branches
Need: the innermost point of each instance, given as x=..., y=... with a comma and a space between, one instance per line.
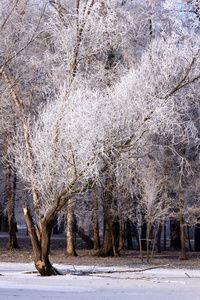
x=99, y=108
x=72, y=141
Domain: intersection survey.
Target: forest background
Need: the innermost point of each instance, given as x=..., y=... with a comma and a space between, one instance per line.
x=99, y=114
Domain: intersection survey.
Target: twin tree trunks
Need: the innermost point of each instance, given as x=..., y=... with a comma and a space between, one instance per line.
x=41, y=244
x=40, y=240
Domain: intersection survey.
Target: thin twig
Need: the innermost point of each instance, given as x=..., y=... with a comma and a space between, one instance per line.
x=130, y=270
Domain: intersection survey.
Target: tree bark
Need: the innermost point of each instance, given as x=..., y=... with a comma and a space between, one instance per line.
x=182, y=229
x=40, y=248
x=197, y=237
x=175, y=234
x=129, y=235
x=149, y=238
x=183, y=248
x=110, y=240
x=165, y=236
x=70, y=251
x=121, y=235
x=84, y=237
x=4, y=223
x=111, y=226
x=12, y=238
x=143, y=234
x=10, y=204
x=135, y=232
x=158, y=248
x=96, y=221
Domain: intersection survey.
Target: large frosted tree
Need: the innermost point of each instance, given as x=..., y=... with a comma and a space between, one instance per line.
x=51, y=46
x=97, y=106
x=91, y=131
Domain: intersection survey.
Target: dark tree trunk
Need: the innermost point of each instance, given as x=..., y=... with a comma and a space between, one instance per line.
x=96, y=221
x=175, y=234
x=188, y=237
x=12, y=238
x=182, y=229
x=150, y=236
x=183, y=248
x=121, y=235
x=10, y=205
x=111, y=225
x=4, y=223
x=143, y=236
x=96, y=235
x=84, y=237
x=197, y=237
x=149, y=239
x=135, y=231
x=158, y=248
x=40, y=247
x=110, y=240
x=129, y=235
x=165, y=236
x=45, y=268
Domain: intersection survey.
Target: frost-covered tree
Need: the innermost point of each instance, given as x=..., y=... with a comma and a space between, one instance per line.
x=99, y=106
x=48, y=45
x=92, y=130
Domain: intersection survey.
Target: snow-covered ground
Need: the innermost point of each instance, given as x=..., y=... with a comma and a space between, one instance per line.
x=96, y=283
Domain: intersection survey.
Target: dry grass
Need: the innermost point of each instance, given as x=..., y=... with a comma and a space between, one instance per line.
x=127, y=258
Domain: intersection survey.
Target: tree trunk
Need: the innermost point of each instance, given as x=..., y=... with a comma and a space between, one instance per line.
x=10, y=205
x=129, y=235
x=182, y=229
x=4, y=223
x=158, y=248
x=175, y=234
x=149, y=238
x=110, y=240
x=121, y=236
x=197, y=237
x=111, y=225
x=143, y=235
x=12, y=238
x=135, y=232
x=84, y=237
x=165, y=236
x=183, y=248
x=40, y=248
x=70, y=251
x=96, y=221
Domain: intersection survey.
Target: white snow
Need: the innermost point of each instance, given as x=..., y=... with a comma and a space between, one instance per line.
x=94, y=282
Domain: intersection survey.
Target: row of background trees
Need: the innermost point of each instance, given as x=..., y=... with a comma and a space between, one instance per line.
x=99, y=118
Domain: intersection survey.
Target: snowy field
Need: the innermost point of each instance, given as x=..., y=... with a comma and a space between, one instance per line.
x=17, y=281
